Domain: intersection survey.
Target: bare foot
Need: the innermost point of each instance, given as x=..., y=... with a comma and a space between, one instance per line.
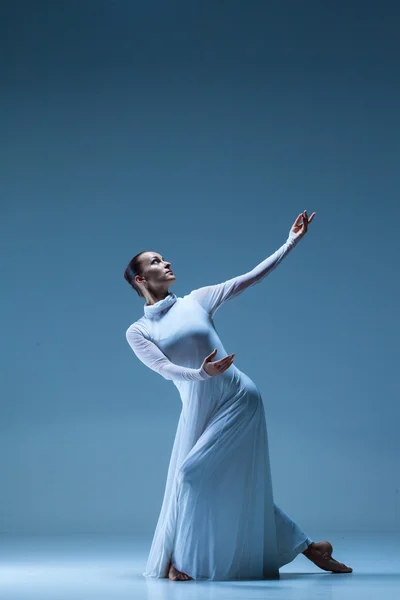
x=175, y=575
x=320, y=554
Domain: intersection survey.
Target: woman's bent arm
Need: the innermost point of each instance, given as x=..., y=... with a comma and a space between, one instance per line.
x=151, y=355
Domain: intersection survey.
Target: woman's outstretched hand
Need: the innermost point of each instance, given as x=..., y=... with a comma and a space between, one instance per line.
x=300, y=225
x=217, y=367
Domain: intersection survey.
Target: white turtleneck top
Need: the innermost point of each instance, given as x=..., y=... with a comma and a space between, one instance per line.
x=175, y=335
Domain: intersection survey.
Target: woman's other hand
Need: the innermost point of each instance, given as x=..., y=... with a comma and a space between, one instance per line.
x=218, y=366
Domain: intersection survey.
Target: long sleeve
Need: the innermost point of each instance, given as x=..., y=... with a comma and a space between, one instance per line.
x=151, y=355
x=212, y=296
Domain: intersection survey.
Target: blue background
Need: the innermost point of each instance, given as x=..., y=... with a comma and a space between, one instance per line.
x=199, y=130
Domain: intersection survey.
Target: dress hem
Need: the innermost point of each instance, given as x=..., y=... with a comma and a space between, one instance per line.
x=286, y=558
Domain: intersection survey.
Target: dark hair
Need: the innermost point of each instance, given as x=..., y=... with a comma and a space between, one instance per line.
x=134, y=268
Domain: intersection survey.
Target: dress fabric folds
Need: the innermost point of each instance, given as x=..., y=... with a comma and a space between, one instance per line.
x=218, y=520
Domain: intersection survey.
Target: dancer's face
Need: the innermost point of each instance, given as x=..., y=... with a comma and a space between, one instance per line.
x=156, y=271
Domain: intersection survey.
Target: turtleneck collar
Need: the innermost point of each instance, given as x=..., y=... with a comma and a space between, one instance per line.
x=156, y=311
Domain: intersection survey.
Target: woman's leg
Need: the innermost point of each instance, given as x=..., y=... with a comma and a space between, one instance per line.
x=290, y=539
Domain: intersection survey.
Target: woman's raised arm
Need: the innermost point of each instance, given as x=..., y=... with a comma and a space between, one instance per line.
x=212, y=296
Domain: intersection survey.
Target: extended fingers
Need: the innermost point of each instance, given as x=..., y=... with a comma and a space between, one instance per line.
x=307, y=219
x=227, y=358
x=297, y=221
x=225, y=361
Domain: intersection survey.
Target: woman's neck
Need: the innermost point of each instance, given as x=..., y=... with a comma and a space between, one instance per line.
x=153, y=299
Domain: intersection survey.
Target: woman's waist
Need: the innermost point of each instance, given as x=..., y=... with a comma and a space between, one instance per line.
x=230, y=382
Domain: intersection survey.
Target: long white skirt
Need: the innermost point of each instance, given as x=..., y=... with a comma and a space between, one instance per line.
x=218, y=520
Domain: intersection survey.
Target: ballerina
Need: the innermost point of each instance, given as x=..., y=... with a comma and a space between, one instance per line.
x=213, y=520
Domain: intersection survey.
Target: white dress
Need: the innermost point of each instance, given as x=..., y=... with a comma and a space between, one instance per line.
x=218, y=520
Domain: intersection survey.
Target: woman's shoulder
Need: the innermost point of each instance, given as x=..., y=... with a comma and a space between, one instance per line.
x=138, y=326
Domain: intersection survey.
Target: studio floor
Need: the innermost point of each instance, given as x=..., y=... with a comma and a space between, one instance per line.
x=110, y=568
